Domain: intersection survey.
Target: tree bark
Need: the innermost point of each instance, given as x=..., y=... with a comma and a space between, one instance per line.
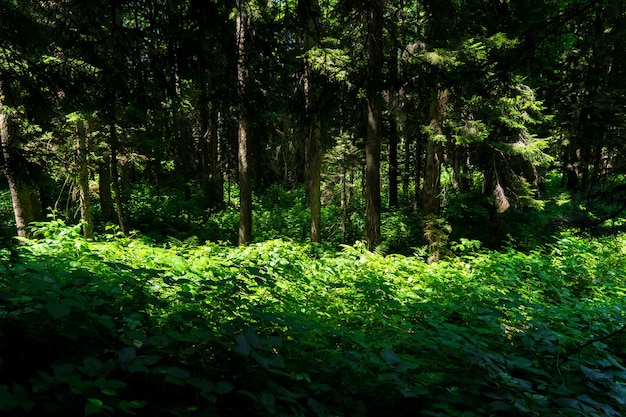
x=115, y=180
x=309, y=10
x=83, y=179
x=243, y=131
x=104, y=188
x=432, y=173
x=211, y=169
x=434, y=234
x=24, y=193
x=374, y=122
x=394, y=114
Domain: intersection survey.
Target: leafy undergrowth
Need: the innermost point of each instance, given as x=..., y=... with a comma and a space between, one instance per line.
x=121, y=327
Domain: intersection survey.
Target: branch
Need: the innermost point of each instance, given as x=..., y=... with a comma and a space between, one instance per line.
x=577, y=350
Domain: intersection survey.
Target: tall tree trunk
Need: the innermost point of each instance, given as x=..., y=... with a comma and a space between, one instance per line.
x=394, y=114
x=104, y=188
x=243, y=132
x=432, y=173
x=83, y=179
x=24, y=193
x=432, y=186
x=418, y=165
x=434, y=235
x=115, y=180
x=211, y=170
x=344, y=204
x=392, y=198
x=309, y=11
x=313, y=173
x=412, y=159
x=374, y=122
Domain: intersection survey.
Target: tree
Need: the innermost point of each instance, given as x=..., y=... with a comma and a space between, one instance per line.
x=309, y=16
x=374, y=104
x=242, y=32
x=24, y=192
x=22, y=98
x=83, y=177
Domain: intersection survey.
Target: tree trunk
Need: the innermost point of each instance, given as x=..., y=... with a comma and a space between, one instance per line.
x=392, y=198
x=83, y=179
x=243, y=132
x=309, y=11
x=24, y=193
x=432, y=187
x=104, y=189
x=115, y=180
x=412, y=165
x=313, y=174
x=394, y=114
x=374, y=122
x=433, y=233
x=344, y=204
x=211, y=170
x=432, y=173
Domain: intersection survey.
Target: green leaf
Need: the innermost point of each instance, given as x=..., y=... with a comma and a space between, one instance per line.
x=223, y=387
x=8, y=401
x=500, y=406
x=268, y=399
x=95, y=406
x=92, y=367
x=242, y=345
x=58, y=310
x=389, y=356
x=178, y=372
x=129, y=406
x=594, y=373
x=127, y=355
x=272, y=361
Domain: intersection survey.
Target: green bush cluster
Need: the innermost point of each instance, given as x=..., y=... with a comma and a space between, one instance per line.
x=120, y=326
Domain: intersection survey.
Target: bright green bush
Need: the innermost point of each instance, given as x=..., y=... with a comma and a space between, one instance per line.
x=120, y=326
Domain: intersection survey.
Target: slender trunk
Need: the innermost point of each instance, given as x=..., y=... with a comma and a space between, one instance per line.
x=394, y=114
x=411, y=164
x=392, y=198
x=309, y=10
x=115, y=181
x=210, y=167
x=313, y=174
x=344, y=205
x=104, y=188
x=243, y=135
x=434, y=233
x=83, y=179
x=406, y=173
x=217, y=180
x=24, y=194
x=417, y=172
x=432, y=174
x=125, y=166
x=374, y=122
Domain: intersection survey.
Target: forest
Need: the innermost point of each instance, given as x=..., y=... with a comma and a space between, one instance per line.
x=313, y=208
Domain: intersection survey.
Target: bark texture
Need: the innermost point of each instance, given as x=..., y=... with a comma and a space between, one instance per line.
x=374, y=122
x=243, y=132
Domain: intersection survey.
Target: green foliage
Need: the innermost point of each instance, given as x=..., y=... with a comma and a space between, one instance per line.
x=118, y=326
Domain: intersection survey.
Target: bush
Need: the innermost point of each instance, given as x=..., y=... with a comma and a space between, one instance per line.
x=118, y=326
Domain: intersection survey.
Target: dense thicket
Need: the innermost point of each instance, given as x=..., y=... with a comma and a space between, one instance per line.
x=449, y=109
x=121, y=327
